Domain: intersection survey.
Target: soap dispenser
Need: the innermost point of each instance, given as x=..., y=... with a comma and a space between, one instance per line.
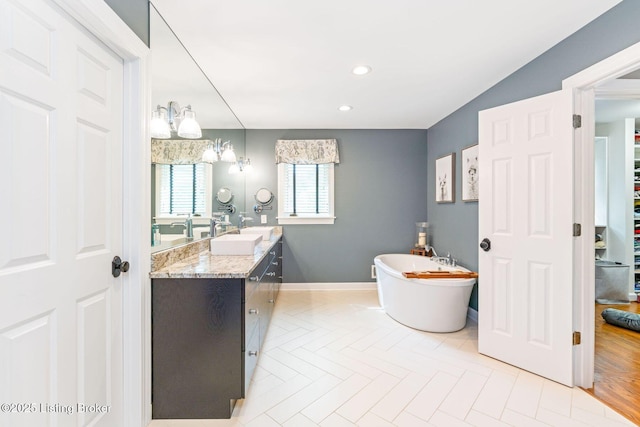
x=155, y=235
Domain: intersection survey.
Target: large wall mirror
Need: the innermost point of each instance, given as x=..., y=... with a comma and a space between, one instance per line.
x=183, y=185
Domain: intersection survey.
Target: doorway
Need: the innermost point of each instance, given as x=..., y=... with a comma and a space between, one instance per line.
x=617, y=350
x=584, y=85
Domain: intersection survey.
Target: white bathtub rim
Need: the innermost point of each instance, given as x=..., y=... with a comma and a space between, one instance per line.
x=379, y=263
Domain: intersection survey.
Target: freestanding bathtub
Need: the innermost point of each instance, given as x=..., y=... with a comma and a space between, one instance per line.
x=434, y=305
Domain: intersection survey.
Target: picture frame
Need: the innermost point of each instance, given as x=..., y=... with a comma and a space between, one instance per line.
x=445, y=179
x=470, y=174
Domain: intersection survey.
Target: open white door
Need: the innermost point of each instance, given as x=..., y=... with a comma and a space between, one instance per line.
x=61, y=315
x=526, y=213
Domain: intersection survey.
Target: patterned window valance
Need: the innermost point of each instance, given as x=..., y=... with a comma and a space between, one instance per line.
x=307, y=151
x=178, y=151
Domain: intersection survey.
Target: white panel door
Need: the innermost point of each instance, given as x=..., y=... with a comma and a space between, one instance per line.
x=61, y=216
x=526, y=212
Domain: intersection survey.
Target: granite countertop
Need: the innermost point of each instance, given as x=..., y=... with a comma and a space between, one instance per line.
x=205, y=265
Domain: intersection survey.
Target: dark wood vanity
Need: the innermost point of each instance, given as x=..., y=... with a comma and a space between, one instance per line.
x=207, y=331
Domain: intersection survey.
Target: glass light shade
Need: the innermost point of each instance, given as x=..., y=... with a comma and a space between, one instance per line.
x=189, y=128
x=209, y=155
x=159, y=127
x=228, y=155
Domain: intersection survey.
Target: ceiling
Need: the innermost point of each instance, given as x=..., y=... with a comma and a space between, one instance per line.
x=286, y=64
x=619, y=99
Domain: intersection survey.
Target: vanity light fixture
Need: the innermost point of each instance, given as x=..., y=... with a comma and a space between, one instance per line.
x=159, y=126
x=218, y=150
x=345, y=108
x=361, y=70
x=228, y=154
x=172, y=118
x=241, y=166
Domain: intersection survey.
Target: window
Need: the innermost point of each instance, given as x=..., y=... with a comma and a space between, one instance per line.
x=305, y=194
x=182, y=189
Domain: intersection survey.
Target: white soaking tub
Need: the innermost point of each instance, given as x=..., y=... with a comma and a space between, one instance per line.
x=434, y=305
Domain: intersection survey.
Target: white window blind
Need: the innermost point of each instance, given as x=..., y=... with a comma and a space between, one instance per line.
x=182, y=189
x=305, y=194
x=307, y=189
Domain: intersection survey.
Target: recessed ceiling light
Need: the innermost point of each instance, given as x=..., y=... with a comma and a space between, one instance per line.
x=345, y=108
x=361, y=70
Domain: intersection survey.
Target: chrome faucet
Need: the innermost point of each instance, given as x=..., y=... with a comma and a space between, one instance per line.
x=214, y=222
x=242, y=220
x=446, y=260
x=187, y=224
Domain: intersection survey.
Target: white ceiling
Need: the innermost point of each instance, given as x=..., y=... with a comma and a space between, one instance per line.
x=619, y=99
x=286, y=64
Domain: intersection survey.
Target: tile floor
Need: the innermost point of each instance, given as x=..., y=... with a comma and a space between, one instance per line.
x=335, y=359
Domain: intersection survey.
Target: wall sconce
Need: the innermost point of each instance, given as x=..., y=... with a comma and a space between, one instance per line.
x=241, y=166
x=218, y=150
x=174, y=119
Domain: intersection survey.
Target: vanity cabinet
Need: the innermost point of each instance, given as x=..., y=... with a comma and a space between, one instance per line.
x=206, y=338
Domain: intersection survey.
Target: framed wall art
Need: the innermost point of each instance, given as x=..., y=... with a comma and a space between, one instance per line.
x=469, y=168
x=445, y=184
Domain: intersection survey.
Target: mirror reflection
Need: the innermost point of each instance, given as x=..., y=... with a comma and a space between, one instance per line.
x=184, y=187
x=263, y=196
x=224, y=195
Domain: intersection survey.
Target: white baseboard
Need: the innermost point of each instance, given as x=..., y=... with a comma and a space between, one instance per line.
x=337, y=286
x=633, y=297
x=472, y=314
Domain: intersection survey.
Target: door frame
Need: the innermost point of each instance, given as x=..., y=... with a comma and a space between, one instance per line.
x=584, y=86
x=101, y=21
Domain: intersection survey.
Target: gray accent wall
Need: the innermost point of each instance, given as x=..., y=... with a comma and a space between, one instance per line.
x=135, y=13
x=455, y=226
x=380, y=193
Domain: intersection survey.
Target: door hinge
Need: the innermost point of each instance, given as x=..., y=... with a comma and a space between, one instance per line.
x=577, y=229
x=577, y=337
x=577, y=121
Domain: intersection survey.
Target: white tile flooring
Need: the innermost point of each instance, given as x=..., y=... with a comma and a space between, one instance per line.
x=335, y=359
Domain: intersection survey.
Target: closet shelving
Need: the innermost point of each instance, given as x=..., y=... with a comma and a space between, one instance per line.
x=601, y=243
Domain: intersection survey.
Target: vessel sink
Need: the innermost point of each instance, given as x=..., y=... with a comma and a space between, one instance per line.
x=264, y=230
x=235, y=244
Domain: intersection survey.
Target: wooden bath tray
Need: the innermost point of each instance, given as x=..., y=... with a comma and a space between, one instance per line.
x=456, y=274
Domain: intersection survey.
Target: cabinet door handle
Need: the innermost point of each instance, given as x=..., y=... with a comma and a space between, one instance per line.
x=253, y=311
x=253, y=353
x=272, y=252
x=271, y=301
x=274, y=263
x=271, y=273
x=254, y=278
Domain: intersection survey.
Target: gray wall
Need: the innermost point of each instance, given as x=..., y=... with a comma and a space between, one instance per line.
x=455, y=226
x=135, y=13
x=380, y=193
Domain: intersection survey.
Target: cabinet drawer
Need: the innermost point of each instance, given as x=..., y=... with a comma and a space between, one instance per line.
x=256, y=275
x=251, y=358
x=252, y=309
